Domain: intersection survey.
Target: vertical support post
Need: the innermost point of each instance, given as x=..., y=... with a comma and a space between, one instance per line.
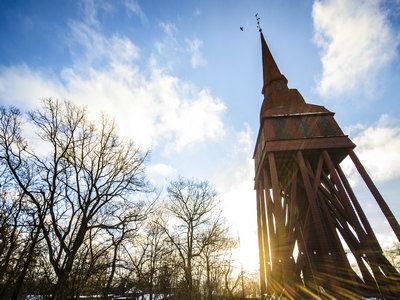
x=278, y=270
x=265, y=205
x=272, y=272
x=378, y=197
x=260, y=242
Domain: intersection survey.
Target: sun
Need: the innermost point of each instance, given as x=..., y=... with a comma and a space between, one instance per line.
x=247, y=256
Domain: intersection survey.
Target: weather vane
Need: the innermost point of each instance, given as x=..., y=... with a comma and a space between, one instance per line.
x=258, y=22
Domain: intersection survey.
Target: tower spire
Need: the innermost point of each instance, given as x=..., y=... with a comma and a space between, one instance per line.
x=271, y=71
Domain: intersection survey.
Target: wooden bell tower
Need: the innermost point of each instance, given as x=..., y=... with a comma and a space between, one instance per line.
x=306, y=207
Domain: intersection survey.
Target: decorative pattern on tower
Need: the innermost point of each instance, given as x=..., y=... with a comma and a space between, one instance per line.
x=306, y=207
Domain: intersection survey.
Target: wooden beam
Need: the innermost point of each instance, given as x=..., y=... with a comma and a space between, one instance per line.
x=353, y=220
x=266, y=239
x=273, y=237
x=378, y=197
x=360, y=212
x=315, y=213
x=279, y=221
x=260, y=243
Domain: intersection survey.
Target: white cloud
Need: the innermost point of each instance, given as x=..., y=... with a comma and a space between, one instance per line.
x=386, y=239
x=377, y=148
x=149, y=105
x=356, y=42
x=197, y=58
x=160, y=174
x=163, y=170
x=147, y=109
x=123, y=50
x=22, y=87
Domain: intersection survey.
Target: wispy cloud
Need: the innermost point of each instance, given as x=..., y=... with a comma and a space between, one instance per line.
x=189, y=49
x=90, y=48
x=89, y=11
x=169, y=29
x=134, y=7
x=197, y=58
x=356, y=42
x=170, y=39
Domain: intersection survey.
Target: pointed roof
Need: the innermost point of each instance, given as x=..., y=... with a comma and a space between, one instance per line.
x=270, y=69
x=278, y=98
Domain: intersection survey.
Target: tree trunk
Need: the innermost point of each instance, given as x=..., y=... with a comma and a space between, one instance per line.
x=59, y=291
x=20, y=280
x=189, y=280
x=113, y=266
x=209, y=288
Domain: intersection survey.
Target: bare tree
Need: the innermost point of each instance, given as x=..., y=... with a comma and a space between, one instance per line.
x=19, y=230
x=215, y=261
x=195, y=223
x=157, y=255
x=19, y=235
x=118, y=235
x=90, y=265
x=82, y=178
x=231, y=281
x=251, y=284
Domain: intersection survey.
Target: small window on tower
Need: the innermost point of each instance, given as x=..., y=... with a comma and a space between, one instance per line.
x=281, y=129
x=303, y=127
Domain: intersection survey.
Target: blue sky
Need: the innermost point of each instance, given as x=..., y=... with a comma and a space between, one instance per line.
x=181, y=78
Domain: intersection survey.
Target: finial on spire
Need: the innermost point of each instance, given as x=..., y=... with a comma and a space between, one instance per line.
x=258, y=22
